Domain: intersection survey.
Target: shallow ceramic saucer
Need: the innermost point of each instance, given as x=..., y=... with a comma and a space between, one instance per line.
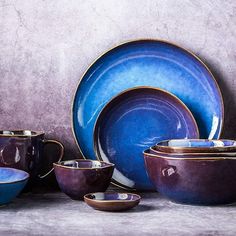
x=12, y=182
x=111, y=201
x=196, y=146
x=132, y=122
x=153, y=63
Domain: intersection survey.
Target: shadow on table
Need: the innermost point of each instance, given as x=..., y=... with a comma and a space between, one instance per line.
x=150, y=195
x=35, y=201
x=142, y=208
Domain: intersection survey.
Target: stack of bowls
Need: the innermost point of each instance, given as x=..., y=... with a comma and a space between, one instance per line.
x=194, y=171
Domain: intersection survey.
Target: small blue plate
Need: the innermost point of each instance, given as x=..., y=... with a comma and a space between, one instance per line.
x=132, y=122
x=146, y=63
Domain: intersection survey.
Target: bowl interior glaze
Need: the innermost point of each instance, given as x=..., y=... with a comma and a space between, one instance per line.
x=10, y=175
x=189, y=156
x=113, y=196
x=195, y=143
x=155, y=151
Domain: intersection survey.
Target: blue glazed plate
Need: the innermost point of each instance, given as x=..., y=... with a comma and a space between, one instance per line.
x=133, y=121
x=146, y=63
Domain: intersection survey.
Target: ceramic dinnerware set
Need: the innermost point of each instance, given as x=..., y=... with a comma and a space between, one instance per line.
x=129, y=100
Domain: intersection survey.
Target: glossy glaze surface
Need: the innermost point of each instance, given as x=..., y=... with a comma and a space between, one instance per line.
x=133, y=121
x=208, y=181
x=146, y=63
x=12, y=181
x=196, y=145
x=112, y=201
x=79, y=177
x=23, y=149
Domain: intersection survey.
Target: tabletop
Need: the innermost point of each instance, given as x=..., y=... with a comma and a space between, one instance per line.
x=56, y=214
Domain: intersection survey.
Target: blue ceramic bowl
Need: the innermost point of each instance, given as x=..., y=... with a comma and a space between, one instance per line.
x=12, y=181
x=133, y=121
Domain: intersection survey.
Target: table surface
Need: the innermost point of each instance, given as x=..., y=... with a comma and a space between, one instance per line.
x=56, y=214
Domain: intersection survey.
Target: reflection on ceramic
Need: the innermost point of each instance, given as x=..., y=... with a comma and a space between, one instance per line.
x=79, y=177
x=196, y=145
x=112, y=201
x=12, y=181
x=147, y=63
x=200, y=181
x=23, y=149
x=133, y=121
x=154, y=151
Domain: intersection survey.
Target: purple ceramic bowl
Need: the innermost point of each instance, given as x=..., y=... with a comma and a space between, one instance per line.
x=199, y=181
x=79, y=177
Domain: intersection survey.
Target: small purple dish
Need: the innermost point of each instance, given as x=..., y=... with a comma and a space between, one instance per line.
x=111, y=201
x=79, y=177
x=193, y=180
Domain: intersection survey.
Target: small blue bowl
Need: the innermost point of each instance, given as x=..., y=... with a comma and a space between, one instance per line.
x=12, y=181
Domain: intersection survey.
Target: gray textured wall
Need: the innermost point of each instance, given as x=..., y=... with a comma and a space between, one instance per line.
x=45, y=46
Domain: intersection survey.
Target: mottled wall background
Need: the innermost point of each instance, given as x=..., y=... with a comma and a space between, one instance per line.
x=46, y=45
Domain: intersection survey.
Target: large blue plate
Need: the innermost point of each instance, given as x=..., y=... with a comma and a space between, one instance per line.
x=146, y=63
x=132, y=122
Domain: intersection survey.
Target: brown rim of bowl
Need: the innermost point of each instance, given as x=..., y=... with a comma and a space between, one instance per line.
x=59, y=164
x=96, y=200
x=193, y=149
x=189, y=158
x=161, y=153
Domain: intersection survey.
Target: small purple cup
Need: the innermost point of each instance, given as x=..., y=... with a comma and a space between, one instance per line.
x=79, y=177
